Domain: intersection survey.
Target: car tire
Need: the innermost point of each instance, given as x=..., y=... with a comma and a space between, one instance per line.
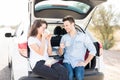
x=9, y=64
x=11, y=72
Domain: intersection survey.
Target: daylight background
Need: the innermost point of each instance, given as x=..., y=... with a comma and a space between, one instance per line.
x=12, y=12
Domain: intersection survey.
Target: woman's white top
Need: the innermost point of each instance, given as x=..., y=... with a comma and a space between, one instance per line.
x=35, y=57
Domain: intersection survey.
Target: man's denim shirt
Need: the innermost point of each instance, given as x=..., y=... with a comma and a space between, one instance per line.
x=75, y=48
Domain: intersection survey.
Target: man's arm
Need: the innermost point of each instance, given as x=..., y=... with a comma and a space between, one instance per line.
x=89, y=58
x=91, y=48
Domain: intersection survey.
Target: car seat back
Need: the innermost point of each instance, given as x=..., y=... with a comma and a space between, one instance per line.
x=58, y=32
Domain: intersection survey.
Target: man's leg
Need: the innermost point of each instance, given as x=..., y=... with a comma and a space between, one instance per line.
x=70, y=70
x=79, y=73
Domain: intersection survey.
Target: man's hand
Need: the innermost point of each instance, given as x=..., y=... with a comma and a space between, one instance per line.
x=62, y=45
x=81, y=64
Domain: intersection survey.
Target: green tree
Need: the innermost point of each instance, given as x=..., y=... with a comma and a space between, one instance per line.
x=102, y=21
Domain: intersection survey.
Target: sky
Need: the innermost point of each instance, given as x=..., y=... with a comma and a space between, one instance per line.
x=13, y=11
x=115, y=4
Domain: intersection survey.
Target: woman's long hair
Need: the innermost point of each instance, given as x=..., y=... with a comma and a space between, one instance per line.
x=35, y=26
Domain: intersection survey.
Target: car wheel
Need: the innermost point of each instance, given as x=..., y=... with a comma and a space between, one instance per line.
x=11, y=73
x=9, y=64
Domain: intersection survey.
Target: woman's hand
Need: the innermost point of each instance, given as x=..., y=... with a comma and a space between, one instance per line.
x=44, y=35
x=48, y=37
x=50, y=61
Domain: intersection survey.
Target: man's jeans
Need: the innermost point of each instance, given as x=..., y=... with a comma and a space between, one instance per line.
x=77, y=72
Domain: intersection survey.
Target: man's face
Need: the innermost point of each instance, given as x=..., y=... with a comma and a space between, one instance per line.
x=68, y=26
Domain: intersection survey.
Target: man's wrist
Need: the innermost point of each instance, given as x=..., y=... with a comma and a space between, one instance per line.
x=85, y=63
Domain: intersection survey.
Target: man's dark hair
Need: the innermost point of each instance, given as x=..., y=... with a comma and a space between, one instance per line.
x=69, y=18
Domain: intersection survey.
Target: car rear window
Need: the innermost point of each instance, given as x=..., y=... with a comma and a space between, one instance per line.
x=59, y=9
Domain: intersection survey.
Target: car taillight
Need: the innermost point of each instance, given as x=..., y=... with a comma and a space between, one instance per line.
x=101, y=49
x=23, y=49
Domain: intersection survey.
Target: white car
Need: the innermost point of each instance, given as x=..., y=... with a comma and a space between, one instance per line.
x=52, y=11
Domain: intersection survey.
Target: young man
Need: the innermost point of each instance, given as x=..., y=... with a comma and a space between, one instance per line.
x=74, y=45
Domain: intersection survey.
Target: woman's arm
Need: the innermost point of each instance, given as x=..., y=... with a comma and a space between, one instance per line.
x=49, y=49
x=60, y=50
x=39, y=49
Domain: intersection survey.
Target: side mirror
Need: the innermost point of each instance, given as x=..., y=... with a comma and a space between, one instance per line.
x=8, y=35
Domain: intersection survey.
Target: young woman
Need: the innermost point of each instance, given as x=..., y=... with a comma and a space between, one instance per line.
x=40, y=49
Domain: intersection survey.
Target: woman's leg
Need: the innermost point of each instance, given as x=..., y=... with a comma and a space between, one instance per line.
x=70, y=70
x=62, y=71
x=79, y=73
x=45, y=71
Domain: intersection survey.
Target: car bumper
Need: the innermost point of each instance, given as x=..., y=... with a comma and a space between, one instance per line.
x=93, y=75
x=90, y=74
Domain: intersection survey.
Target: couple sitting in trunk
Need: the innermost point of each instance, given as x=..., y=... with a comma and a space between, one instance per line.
x=73, y=45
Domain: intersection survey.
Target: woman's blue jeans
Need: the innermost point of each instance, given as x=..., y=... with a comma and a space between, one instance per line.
x=77, y=72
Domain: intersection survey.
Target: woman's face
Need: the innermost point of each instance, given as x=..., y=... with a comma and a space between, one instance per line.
x=42, y=28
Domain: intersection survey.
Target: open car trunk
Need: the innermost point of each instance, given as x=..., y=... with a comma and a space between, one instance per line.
x=93, y=3
x=57, y=9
